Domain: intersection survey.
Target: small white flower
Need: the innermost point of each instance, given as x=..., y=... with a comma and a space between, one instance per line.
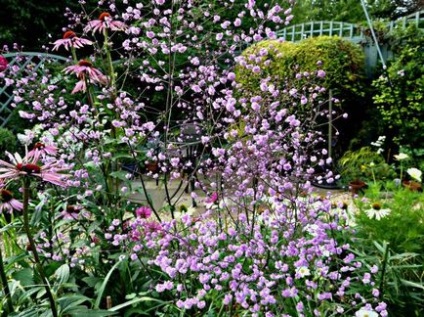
x=401, y=156
x=188, y=211
x=303, y=271
x=366, y=313
x=415, y=173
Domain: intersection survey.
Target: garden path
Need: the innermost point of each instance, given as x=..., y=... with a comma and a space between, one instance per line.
x=158, y=195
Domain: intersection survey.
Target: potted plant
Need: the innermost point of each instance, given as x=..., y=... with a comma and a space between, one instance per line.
x=364, y=165
x=413, y=184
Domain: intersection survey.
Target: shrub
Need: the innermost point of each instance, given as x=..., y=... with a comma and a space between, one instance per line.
x=8, y=141
x=341, y=60
x=364, y=164
x=400, y=91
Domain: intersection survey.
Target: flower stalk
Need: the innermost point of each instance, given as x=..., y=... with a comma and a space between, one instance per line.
x=6, y=290
x=26, y=183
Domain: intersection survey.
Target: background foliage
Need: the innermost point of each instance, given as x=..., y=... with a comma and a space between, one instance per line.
x=400, y=91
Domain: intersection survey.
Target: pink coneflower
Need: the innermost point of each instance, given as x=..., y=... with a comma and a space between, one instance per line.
x=71, y=212
x=43, y=149
x=70, y=39
x=8, y=203
x=3, y=63
x=85, y=71
x=105, y=22
x=28, y=166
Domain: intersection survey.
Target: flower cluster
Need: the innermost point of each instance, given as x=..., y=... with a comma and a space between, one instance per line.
x=289, y=256
x=264, y=242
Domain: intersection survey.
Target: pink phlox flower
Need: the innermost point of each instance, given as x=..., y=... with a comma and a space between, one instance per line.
x=28, y=166
x=211, y=201
x=143, y=212
x=104, y=22
x=153, y=226
x=7, y=202
x=212, y=198
x=70, y=39
x=85, y=71
x=3, y=63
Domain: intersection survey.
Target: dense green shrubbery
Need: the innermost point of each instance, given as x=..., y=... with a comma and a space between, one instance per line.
x=8, y=141
x=395, y=240
x=364, y=164
x=400, y=92
x=342, y=61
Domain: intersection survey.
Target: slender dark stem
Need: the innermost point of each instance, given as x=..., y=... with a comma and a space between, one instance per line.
x=31, y=241
x=6, y=289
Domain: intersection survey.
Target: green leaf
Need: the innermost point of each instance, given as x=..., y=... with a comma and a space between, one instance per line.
x=24, y=276
x=103, y=286
x=84, y=312
x=135, y=301
x=412, y=284
x=119, y=175
x=62, y=273
x=69, y=302
x=91, y=280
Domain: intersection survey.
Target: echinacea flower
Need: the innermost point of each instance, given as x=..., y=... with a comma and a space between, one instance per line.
x=43, y=149
x=28, y=166
x=7, y=202
x=85, y=71
x=3, y=63
x=377, y=212
x=104, y=22
x=415, y=173
x=366, y=313
x=71, y=212
x=70, y=39
x=401, y=156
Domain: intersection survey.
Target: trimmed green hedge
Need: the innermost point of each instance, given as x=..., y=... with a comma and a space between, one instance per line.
x=342, y=61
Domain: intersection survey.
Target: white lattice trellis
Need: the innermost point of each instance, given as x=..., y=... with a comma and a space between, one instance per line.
x=25, y=62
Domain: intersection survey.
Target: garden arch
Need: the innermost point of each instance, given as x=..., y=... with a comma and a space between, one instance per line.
x=353, y=32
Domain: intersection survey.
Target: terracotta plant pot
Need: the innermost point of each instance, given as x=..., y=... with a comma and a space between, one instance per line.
x=356, y=186
x=412, y=186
